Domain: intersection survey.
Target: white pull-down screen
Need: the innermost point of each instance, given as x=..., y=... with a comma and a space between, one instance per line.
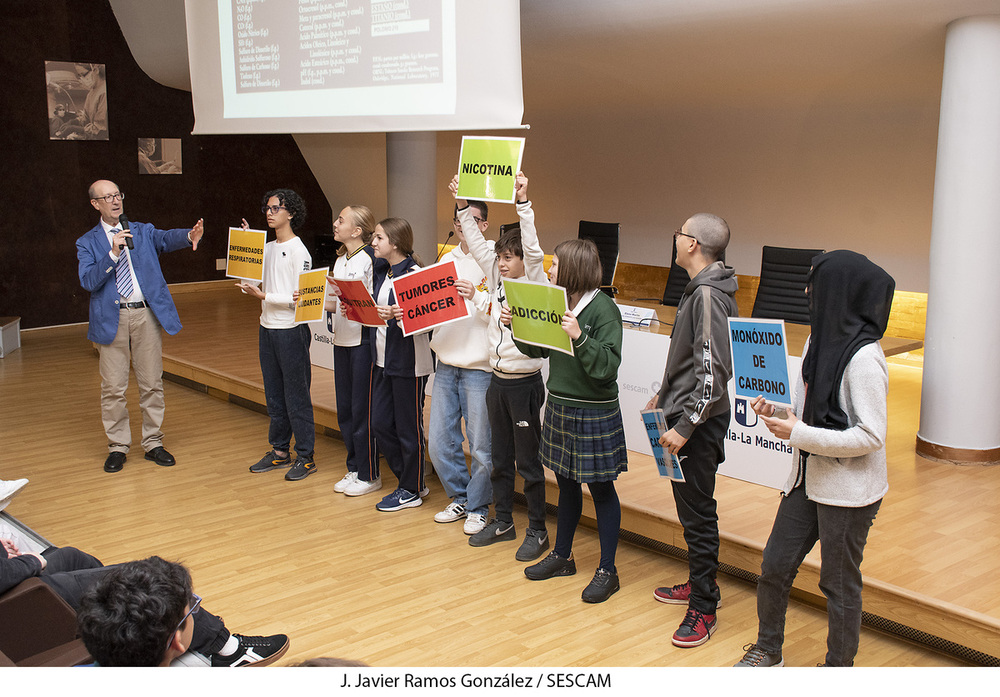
x=328, y=66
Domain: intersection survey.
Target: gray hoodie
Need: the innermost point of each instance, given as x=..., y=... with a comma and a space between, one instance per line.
x=699, y=362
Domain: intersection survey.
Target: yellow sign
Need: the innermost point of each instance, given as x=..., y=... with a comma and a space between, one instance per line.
x=312, y=295
x=246, y=254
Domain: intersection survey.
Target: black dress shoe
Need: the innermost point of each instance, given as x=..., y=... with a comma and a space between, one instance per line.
x=160, y=456
x=115, y=462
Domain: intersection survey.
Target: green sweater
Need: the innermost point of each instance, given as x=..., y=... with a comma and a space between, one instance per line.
x=588, y=379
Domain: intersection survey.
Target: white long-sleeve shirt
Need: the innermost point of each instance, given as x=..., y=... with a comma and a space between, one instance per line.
x=283, y=262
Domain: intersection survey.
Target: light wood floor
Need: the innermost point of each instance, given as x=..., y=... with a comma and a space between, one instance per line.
x=390, y=589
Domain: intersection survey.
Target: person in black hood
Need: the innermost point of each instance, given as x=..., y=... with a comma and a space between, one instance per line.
x=837, y=429
x=695, y=402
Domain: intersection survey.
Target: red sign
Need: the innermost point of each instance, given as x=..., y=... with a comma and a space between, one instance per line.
x=429, y=298
x=358, y=303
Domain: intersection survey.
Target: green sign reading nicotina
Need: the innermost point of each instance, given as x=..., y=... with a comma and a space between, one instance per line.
x=487, y=167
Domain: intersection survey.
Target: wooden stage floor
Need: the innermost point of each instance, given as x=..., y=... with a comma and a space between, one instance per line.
x=931, y=562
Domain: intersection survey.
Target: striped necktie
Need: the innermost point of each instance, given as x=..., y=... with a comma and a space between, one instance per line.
x=123, y=274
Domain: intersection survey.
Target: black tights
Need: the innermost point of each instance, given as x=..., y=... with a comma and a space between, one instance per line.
x=609, y=518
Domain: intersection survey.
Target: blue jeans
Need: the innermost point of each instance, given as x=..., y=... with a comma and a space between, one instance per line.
x=287, y=373
x=842, y=533
x=461, y=393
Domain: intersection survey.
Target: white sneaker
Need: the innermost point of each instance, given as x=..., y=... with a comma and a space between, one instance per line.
x=348, y=479
x=360, y=487
x=474, y=522
x=424, y=493
x=454, y=511
x=9, y=489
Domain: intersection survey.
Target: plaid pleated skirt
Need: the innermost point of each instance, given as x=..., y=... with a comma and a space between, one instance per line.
x=585, y=445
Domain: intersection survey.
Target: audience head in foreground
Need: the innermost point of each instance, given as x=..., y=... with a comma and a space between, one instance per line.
x=139, y=614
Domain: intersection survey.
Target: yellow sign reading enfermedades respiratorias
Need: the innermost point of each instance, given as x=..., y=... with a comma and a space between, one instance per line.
x=246, y=254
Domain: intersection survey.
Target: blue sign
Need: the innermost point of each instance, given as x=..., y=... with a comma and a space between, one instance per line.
x=667, y=463
x=760, y=359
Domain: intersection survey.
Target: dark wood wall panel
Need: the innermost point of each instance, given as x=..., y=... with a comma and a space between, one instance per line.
x=43, y=183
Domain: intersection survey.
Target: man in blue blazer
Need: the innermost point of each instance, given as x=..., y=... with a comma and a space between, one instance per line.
x=129, y=303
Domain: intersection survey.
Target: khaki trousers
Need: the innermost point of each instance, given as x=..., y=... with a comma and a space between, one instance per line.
x=139, y=343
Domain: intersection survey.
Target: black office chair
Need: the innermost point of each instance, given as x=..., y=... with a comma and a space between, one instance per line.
x=605, y=236
x=676, y=282
x=510, y=226
x=782, y=290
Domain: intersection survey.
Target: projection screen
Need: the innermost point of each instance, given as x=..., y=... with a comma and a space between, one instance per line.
x=338, y=66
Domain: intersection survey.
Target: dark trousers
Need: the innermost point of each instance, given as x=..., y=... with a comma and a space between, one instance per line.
x=287, y=373
x=70, y=572
x=352, y=377
x=514, y=408
x=398, y=421
x=697, y=510
x=842, y=534
x=609, y=518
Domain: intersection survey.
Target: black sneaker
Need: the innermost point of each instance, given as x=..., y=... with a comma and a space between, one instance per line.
x=535, y=542
x=300, y=470
x=495, y=531
x=269, y=462
x=257, y=651
x=552, y=565
x=601, y=587
x=757, y=657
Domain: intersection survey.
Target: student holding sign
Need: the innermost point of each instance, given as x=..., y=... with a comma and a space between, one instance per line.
x=583, y=439
x=284, y=345
x=515, y=395
x=837, y=429
x=461, y=381
x=695, y=401
x=402, y=364
x=352, y=353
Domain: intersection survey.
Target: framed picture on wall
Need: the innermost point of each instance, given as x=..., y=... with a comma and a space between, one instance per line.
x=77, y=100
x=159, y=156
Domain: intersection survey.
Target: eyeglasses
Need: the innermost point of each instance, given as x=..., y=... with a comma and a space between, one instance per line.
x=194, y=604
x=678, y=232
x=111, y=198
x=273, y=209
x=456, y=221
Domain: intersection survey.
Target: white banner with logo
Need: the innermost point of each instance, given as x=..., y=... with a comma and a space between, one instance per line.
x=752, y=453
x=321, y=346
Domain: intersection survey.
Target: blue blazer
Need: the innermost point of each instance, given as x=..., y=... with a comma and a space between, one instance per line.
x=97, y=275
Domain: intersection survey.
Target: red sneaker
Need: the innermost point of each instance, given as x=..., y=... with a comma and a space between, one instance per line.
x=695, y=630
x=679, y=594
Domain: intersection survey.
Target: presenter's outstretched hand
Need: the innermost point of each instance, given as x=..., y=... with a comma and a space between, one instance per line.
x=245, y=225
x=196, y=233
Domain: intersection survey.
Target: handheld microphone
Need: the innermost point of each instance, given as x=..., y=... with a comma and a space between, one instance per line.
x=123, y=221
x=451, y=234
